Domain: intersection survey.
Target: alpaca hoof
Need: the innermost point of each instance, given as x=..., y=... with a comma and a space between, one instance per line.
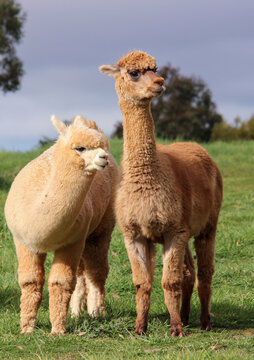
x=57, y=331
x=140, y=332
x=74, y=315
x=140, y=329
x=77, y=305
x=27, y=327
x=97, y=312
x=28, y=330
x=205, y=324
x=177, y=331
x=206, y=327
x=76, y=311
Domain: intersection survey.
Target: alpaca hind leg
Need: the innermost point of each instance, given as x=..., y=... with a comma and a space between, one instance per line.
x=141, y=252
x=96, y=265
x=95, y=257
x=31, y=280
x=62, y=280
x=78, y=298
x=173, y=259
x=205, y=245
x=188, y=284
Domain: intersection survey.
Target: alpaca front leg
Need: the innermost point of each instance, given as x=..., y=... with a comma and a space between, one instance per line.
x=173, y=258
x=31, y=280
x=96, y=270
x=62, y=279
x=141, y=253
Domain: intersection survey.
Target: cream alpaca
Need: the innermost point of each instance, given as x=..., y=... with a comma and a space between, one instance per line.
x=167, y=194
x=63, y=202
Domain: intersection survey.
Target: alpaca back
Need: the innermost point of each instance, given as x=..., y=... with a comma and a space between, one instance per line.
x=25, y=195
x=27, y=185
x=197, y=183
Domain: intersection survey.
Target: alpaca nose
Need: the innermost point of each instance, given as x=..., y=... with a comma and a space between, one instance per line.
x=159, y=80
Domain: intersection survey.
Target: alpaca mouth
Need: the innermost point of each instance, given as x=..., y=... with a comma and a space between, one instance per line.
x=159, y=91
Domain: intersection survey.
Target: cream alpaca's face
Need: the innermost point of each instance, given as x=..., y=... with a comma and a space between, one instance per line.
x=94, y=159
x=86, y=146
x=136, y=77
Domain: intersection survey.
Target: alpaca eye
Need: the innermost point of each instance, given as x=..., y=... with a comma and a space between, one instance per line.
x=80, y=148
x=135, y=74
x=155, y=69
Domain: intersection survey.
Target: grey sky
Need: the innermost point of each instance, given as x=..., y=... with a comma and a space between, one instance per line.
x=66, y=41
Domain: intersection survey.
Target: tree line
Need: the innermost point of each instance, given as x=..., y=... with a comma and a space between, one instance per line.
x=240, y=130
x=11, y=31
x=185, y=110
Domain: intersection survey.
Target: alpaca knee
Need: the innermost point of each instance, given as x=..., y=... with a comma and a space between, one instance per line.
x=144, y=287
x=204, y=277
x=26, y=278
x=173, y=286
x=188, y=280
x=66, y=280
x=143, y=293
x=31, y=292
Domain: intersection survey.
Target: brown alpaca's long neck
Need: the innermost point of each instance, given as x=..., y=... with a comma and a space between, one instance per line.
x=139, y=141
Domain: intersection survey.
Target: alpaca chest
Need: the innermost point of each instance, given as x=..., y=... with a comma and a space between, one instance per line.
x=149, y=213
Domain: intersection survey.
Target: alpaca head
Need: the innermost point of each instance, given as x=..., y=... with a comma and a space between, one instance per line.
x=136, y=78
x=82, y=143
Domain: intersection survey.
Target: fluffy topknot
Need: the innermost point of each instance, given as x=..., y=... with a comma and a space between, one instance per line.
x=92, y=125
x=137, y=60
x=89, y=123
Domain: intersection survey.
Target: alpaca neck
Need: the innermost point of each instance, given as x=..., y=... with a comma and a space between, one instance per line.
x=139, y=140
x=63, y=196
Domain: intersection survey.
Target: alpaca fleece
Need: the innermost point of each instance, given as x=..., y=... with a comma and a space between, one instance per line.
x=167, y=194
x=63, y=202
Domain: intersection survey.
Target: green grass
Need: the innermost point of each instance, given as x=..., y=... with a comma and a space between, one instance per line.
x=232, y=336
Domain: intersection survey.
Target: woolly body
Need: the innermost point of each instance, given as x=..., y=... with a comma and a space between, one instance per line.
x=60, y=202
x=167, y=194
x=45, y=222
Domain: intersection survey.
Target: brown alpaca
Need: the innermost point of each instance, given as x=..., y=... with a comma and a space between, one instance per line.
x=167, y=194
x=63, y=202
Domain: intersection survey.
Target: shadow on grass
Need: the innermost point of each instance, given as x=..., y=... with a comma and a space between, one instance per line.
x=121, y=321
x=228, y=316
x=225, y=316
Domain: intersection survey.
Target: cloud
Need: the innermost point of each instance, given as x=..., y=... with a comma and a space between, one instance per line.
x=65, y=92
x=65, y=43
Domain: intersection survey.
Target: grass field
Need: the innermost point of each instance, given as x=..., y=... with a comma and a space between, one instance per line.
x=232, y=336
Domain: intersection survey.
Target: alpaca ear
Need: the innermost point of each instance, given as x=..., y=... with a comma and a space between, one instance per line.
x=111, y=70
x=79, y=121
x=61, y=128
